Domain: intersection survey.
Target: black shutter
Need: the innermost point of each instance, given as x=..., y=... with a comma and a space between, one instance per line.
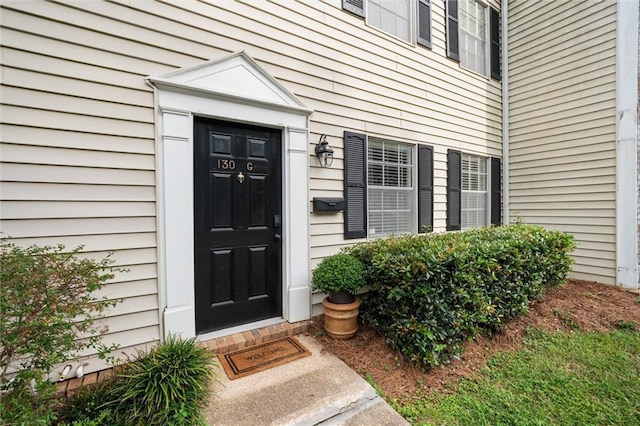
x=354, y=6
x=425, y=188
x=424, y=23
x=454, y=190
x=355, y=186
x=496, y=201
x=451, y=7
x=494, y=30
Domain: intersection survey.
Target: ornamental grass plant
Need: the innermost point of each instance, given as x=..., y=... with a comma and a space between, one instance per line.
x=169, y=385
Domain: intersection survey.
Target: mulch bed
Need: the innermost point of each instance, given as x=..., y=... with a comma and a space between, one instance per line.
x=577, y=305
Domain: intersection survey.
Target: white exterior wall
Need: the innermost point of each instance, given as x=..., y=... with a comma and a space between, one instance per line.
x=385, y=87
x=562, y=118
x=77, y=156
x=78, y=129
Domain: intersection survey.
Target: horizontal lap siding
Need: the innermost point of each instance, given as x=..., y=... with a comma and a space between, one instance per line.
x=78, y=155
x=562, y=125
x=78, y=130
x=410, y=95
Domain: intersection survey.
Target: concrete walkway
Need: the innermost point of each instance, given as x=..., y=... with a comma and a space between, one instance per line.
x=316, y=390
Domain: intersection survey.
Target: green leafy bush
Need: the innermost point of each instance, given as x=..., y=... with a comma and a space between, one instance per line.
x=431, y=292
x=46, y=301
x=88, y=406
x=338, y=272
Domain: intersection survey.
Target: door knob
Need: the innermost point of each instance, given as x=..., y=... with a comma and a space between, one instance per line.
x=277, y=237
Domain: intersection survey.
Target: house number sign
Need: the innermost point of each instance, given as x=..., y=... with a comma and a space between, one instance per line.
x=224, y=164
x=233, y=165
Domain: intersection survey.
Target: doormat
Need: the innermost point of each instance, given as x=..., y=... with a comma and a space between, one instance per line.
x=262, y=357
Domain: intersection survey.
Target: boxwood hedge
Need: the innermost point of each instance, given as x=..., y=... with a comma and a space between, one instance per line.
x=431, y=292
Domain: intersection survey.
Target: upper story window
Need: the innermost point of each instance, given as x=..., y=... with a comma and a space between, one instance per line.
x=408, y=20
x=473, y=36
x=394, y=17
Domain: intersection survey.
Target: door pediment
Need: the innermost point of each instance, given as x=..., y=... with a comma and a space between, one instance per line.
x=235, y=89
x=237, y=76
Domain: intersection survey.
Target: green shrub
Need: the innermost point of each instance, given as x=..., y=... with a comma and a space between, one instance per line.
x=88, y=405
x=167, y=386
x=46, y=301
x=338, y=272
x=431, y=292
x=102, y=419
x=21, y=406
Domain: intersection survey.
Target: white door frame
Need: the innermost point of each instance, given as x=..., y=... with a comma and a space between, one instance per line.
x=233, y=89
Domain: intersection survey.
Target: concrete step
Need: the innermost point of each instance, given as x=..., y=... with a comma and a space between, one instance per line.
x=317, y=390
x=374, y=412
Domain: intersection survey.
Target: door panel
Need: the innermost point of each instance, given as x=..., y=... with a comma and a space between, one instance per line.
x=221, y=274
x=237, y=204
x=220, y=207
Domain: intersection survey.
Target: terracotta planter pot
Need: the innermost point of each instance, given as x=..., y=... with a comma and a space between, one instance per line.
x=341, y=297
x=341, y=320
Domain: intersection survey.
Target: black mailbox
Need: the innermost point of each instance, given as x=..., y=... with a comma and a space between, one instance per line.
x=322, y=204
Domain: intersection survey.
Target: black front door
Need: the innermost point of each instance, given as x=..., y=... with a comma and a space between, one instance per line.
x=238, y=221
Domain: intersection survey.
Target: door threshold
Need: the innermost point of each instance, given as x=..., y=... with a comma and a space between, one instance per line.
x=223, y=341
x=240, y=328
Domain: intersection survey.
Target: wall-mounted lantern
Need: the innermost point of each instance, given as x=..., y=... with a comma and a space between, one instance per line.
x=324, y=152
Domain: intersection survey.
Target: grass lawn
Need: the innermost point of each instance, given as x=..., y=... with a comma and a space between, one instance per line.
x=568, y=378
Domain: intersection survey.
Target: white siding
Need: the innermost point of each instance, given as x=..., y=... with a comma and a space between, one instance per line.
x=78, y=156
x=412, y=95
x=78, y=160
x=562, y=71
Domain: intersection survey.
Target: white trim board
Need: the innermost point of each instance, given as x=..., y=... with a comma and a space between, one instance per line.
x=627, y=144
x=234, y=89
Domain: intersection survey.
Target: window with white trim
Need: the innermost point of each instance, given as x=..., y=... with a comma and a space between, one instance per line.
x=394, y=17
x=388, y=187
x=474, y=191
x=473, y=36
x=390, y=183
x=408, y=20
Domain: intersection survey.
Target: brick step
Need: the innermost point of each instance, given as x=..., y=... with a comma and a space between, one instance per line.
x=220, y=345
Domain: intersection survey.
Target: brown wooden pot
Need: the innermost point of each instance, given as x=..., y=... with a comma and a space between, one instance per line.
x=341, y=320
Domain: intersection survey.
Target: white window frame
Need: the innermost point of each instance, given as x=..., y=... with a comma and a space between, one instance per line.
x=466, y=192
x=372, y=233
x=462, y=37
x=412, y=21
